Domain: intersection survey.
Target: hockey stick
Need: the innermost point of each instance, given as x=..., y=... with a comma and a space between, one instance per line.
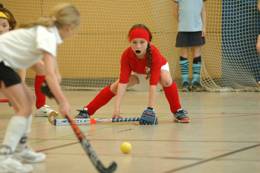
x=83, y=140
x=86, y=121
x=89, y=150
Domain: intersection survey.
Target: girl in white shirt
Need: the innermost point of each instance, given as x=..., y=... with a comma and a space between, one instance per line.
x=20, y=49
x=8, y=23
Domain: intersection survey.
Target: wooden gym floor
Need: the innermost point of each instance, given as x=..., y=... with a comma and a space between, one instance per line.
x=223, y=136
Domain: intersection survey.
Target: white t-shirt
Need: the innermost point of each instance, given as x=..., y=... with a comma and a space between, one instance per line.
x=22, y=48
x=190, y=19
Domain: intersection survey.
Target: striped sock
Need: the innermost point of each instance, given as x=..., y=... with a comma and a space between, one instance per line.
x=196, y=66
x=184, y=64
x=15, y=131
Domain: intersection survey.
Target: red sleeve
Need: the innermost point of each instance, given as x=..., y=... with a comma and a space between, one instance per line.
x=157, y=62
x=125, y=70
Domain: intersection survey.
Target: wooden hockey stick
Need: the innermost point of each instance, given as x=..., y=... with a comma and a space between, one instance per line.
x=89, y=150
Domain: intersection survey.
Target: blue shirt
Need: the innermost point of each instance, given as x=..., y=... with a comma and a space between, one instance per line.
x=190, y=19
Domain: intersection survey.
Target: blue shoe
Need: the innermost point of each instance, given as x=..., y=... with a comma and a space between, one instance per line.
x=181, y=116
x=82, y=113
x=196, y=86
x=185, y=86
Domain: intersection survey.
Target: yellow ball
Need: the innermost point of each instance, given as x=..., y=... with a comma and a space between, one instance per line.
x=126, y=147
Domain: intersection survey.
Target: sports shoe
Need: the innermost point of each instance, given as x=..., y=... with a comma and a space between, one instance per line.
x=181, y=117
x=29, y=156
x=44, y=111
x=8, y=164
x=185, y=86
x=83, y=113
x=196, y=86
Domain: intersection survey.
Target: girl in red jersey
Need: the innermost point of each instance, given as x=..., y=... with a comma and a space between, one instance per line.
x=141, y=57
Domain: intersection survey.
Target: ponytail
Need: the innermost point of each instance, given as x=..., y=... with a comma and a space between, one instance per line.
x=149, y=61
x=43, y=21
x=61, y=15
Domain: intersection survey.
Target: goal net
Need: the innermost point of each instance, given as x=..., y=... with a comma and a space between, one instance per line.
x=231, y=61
x=91, y=59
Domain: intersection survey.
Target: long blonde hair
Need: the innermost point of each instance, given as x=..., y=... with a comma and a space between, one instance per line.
x=61, y=15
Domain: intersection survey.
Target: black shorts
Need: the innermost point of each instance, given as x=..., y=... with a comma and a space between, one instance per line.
x=189, y=39
x=8, y=75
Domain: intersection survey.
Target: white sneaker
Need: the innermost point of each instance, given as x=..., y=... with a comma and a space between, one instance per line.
x=29, y=156
x=44, y=111
x=10, y=165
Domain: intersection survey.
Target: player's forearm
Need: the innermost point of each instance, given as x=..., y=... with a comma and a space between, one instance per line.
x=51, y=78
x=55, y=88
x=58, y=74
x=120, y=93
x=152, y=96
x=176, y=11
x=204, y=18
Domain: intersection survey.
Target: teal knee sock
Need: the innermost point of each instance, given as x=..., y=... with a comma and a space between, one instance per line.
x=196, y=66
x=184, y=64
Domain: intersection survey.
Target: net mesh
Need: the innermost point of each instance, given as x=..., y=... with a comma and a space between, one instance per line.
x=231, y=61
x=91, y=58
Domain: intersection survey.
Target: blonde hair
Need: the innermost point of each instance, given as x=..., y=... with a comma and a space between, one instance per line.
x=61, y=15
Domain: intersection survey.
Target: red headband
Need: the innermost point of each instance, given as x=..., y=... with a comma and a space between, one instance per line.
x=139, y=33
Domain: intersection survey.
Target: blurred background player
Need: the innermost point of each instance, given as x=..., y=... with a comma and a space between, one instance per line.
x=258, y=5
x=7, y=23
x=20, y=49
x=191, y=35
x=258, y=38
x=7, y=20
x=140, y=60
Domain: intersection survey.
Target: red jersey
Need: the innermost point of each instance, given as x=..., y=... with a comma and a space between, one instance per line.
x=130, y=62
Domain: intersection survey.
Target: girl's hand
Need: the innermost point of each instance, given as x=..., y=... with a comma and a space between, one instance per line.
x=64, y=108
x=258, y=47
x=116, y=114
x=258, y=44
x=58, y=77
x=203, y=32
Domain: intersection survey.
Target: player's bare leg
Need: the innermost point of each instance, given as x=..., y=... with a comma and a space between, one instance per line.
x=17, y=127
